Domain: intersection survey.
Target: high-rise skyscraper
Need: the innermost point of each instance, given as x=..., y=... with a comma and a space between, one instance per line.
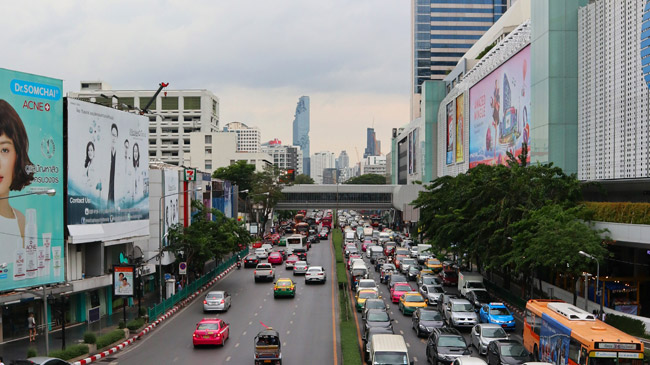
x=301, y=131
x=443, y=30
x=372, y=144
x=343, y=161
x=321, y=161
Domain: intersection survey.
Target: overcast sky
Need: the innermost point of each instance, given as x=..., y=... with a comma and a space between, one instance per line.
x=351, y=57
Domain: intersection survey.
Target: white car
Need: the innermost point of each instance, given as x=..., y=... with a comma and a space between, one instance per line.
x=315, y=273
x=217, y=301
x=367, y=284
x=300, y=267
x=261, y=253
x=267, y=247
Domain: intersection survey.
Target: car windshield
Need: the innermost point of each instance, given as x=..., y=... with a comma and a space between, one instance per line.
x=493, y=332
x=451, y=274
x=375, y=304
x=475, y=285
x=428, y=280
x=430, y=316
x=482, y=296
x=314, y=270
x=207, y=326
x=301, y=263
x=260, y=250
x=451, y=341
x=284, y=283
x=358, y=272
x=434, y=289
x=408, y=262
x=414, y=298
x=367, y=284
x=398, y=279
x=402, y=287
x=513, y=350
x=390, y=358
x=368, y=295
x=462, y=307
x=215, y=296
x=388, y=267
x=377, y=317
x=499, y=311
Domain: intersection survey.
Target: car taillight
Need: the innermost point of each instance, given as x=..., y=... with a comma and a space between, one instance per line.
x=205, y=302
x=254, y=272
x=222, y=301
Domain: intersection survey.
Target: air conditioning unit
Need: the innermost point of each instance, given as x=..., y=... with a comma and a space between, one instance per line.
x=571, y=312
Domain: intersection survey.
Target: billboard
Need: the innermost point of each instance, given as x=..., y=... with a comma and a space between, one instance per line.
x=451, y=133
x=410, y=155
x=123, y=280
x=108, y=172
x=460, y=128
x=554, y=340
x=171, y=206
x=31, y=162
x=499, y=112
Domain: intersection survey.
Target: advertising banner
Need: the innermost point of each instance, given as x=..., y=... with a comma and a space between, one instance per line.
x=31, y=163
x=414, y=150
x=499, y=112
x=451, y=133
x=108, y=171
x=410, y=152
x=171, y=206
x=554, y=340
x=460, y=128
x=123, y=280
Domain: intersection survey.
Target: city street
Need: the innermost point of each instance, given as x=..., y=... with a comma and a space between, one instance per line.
x=305, y=323
x=403, y=326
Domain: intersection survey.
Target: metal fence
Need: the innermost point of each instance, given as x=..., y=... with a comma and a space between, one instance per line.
x=167, y=304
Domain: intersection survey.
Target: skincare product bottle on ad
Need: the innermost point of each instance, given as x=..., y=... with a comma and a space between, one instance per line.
x=47, y=243
x=56, y=260
x=19, y=261
x=31, y=243
x=41, y=260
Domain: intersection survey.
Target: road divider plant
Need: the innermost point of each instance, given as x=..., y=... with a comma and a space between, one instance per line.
x=70, y=352
x=110, y=338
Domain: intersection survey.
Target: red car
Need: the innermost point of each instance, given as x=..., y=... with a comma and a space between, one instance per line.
x=397, y=291
x=210, y=331
x=275, y=258
x=257, y=244
x=449, y=277
x=275, y=238
x=291, y=260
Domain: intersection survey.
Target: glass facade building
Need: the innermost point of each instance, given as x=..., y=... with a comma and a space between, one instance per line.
x=301, y=131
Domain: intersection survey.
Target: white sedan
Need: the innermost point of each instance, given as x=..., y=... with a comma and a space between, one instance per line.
x=315, y=273
x=261, y=253
x=300, y=267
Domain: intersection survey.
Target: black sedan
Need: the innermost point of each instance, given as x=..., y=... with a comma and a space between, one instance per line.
x=508, y=352
x=251, y=260
x=377, y=318
x=425, y=320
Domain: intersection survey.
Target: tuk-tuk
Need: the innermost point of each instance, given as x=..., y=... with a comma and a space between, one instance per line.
x=267, y=347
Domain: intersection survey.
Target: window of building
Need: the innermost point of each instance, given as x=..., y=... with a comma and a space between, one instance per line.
x=128, y=101
x=192, y=102
x=145, y=100
x=208, y=139
x=208, y=151
x=208, y=164
x=169, y=103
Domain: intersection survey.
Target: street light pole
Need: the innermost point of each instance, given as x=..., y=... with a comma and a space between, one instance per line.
x=597, y=291
x=48, y=192
x=160, y=237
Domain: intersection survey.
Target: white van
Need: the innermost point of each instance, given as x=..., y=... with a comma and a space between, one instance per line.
x=349, y=237
x=468, y=281
x=389, y=349
x=359, y=269
x=295, y=241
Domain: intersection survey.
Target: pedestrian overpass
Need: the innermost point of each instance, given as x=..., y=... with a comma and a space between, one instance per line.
x=344, y=196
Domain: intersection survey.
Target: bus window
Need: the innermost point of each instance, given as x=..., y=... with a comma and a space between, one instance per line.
x=583, y=356
x=534, y=321
x=574, y=350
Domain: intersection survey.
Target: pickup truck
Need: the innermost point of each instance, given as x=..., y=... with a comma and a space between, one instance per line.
x=264, y=272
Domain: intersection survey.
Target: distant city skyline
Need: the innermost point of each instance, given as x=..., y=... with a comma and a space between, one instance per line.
x=301, y=126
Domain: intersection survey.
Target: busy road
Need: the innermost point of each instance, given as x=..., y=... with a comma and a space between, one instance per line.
x=306, y=323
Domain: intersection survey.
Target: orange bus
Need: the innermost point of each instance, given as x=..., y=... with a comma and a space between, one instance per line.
x=303, y=229
x=563, y=334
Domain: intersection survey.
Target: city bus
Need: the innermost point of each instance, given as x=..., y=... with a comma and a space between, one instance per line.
x=295, y=241
x=563, y=334
x=303, y=228
x=327, y=222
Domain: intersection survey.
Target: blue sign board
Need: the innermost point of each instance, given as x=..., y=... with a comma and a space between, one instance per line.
x=554, y=341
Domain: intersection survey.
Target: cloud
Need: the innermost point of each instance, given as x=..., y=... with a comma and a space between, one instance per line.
x=351, y=57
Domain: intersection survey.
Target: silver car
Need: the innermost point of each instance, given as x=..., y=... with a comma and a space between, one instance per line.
x=460, y=313
x=315, y=273
x=433, y=293
x=300, y=267
x=484, y=333
x=217, y=301
x=261, y=253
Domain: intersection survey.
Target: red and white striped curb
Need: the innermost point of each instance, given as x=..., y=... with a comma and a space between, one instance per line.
x=153, y=325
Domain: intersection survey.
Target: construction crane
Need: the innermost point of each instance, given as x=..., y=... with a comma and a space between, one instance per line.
x=357, y=150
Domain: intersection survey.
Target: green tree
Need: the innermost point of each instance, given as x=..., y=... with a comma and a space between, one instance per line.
x=240, y=173
x=205, y=238
x=287, y=215
x=368, y=179
x=266, y=191
x=303, y=179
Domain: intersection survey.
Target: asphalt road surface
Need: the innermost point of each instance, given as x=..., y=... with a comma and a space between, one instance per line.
x=402, y=324
x=306, y=323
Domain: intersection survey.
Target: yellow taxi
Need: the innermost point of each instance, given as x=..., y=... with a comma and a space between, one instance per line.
x=363, y=295
x=434, y=264
x=284, y=288
x=411, y=301
x=423, y=272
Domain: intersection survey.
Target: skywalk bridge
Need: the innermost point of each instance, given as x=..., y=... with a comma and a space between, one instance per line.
x=343, y=196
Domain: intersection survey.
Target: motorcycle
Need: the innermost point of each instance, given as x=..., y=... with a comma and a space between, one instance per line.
x=238, y=265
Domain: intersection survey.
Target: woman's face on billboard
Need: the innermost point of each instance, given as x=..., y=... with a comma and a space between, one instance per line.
x=7, y=162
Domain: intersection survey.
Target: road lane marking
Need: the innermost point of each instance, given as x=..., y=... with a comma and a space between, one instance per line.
x=293, y=314
x=237, y=345
x=334, y=296
x=415, y=359
x=175, y=359
x=284, y=344
x=401, y=332
x=228, y=359
x=244, y=333
x=250, y=323
x=408, y=344
x=290, y=322
x=396, y=321
x=255, y=314
x=288, y=332
x=261, y=307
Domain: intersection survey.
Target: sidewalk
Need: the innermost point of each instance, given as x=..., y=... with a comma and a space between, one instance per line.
x=17, y=349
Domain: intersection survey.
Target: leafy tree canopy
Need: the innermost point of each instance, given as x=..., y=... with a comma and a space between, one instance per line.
x=368, y=179
x=303, y=179
x=240, y=173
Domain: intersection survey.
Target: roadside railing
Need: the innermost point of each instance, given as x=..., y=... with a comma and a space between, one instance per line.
x=167, y=304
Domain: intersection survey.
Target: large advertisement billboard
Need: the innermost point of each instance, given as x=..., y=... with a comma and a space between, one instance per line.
x=499, y=112
x=451, y=133
x=108, y=171
x=554, y=341
x=31, y=163
x=171, y=207
x=460, y=128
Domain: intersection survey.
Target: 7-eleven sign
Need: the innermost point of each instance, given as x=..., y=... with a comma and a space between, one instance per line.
x=190, y=175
